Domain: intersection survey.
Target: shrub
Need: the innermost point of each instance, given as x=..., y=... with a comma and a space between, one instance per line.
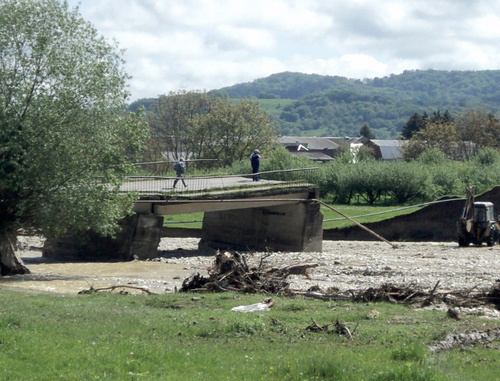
x=432, y=157
x=487, y=157
x=443, y=180
x=407, y=181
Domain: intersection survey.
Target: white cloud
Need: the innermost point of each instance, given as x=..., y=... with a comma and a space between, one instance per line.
x=208, y=44
x=229, y=37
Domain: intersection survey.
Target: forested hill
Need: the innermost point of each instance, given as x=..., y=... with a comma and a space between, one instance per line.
x=316, y=105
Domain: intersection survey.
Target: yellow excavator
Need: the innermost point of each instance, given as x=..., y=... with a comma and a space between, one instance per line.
x=477, y=223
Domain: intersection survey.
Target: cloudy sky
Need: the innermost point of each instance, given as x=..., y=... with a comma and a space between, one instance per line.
x=208, y=44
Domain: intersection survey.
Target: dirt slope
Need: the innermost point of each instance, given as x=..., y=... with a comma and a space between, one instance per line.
x=433, y=223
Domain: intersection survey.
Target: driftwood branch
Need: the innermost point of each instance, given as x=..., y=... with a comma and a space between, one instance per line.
x=342, y=329
x=93, y=290
x=430, y=298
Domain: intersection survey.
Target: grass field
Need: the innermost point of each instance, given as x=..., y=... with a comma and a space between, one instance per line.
x=369, y=213
x=198, y=337
x=193, y=220
x=275, y=106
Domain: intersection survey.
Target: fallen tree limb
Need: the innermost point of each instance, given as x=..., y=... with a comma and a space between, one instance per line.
x=430, y=298
x=407, y=295
x=93, y=290
x=342, y=329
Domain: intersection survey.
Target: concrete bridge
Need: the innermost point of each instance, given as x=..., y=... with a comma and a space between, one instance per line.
x=239, y=213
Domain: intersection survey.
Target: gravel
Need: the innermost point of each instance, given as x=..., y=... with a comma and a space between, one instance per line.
x=356, y=265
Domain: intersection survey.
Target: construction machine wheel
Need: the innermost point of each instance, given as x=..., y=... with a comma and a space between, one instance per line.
x=462, y=242
x=493, y=237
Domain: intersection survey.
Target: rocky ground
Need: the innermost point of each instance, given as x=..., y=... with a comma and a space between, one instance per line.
x=342, y=266
x=348, y=265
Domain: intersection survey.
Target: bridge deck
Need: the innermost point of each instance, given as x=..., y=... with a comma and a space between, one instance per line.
x=194, y=185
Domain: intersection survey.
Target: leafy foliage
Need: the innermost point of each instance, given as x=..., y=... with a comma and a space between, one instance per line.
x=62, y=103
x=366, y=131
x=459, y=138
x=201, y=126
x=170, y=121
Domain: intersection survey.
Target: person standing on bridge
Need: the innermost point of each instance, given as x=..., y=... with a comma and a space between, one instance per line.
x=255, y=161
x=180, y=168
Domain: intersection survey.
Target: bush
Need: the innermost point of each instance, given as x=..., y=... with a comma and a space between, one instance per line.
x=433, y=157
x=487, y=157
x=335, y=181
x=369, y=180
x=443, y=180
x=406, y=181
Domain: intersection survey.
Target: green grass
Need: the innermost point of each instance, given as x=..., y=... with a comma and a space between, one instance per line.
x=349, y=210
x=190, y=220
x=386, y=212
x=176, y=337
x=275, y=106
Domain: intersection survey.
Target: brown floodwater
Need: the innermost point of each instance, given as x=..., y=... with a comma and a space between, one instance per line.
x=72, y=277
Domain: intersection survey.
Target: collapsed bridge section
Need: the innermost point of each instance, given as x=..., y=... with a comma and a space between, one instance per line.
x=268, y=216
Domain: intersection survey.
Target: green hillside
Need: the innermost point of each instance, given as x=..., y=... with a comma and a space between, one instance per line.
x=336, y=106
x=275, y=106
x=315, y=105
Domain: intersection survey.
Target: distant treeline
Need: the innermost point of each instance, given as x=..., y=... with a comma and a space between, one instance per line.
x=316, y=105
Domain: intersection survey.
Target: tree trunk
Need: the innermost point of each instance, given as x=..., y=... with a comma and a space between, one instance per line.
x=10, y=262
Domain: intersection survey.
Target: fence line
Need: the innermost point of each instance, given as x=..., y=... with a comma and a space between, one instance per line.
x=196, y=185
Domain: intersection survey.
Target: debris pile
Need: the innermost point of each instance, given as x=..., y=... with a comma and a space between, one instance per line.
x=339, y=328
x=408, y=295
x=231, y=272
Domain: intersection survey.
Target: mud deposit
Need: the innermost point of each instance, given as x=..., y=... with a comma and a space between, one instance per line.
x=343, y=265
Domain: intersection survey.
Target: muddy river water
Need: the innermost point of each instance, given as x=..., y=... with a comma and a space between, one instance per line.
x=71, y=277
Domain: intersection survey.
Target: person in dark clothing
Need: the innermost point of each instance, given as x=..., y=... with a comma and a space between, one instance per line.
x=255, y=161
x=180, y=168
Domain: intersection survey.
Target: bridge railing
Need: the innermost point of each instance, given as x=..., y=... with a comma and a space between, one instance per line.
x=217, y=184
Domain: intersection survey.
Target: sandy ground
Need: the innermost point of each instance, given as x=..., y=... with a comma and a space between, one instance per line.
x=344, y=265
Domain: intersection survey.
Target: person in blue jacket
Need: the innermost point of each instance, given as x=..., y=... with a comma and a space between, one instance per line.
x=180, y=168
x=255, y=161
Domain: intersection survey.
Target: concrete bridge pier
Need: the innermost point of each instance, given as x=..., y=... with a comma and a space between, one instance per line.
x=289, y=227
x=138, y=238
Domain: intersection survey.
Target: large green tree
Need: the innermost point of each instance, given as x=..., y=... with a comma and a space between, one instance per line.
x=203, y=126
x=230, y=132
x=64, y=132
x=414, y=124
x=366, y=131
x=170, y=121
